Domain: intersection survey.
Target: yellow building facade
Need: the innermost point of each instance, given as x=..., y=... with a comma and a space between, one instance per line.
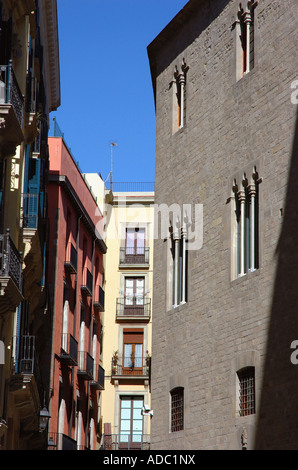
x=127, y=319
x=29, y=91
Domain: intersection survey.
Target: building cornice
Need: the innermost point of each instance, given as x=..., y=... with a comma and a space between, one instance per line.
x=49, y=18
x=64, y=182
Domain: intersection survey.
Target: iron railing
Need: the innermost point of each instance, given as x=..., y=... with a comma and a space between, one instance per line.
x=133, y=306
x=99, y=378
x=134, y=255
x=30, y=210
x=59, y=441
x=131, y=186
x=71, y=258
x=131, y=366
x=10, y=92
x=123, y=441
x=25, y=360
x=86, y=365
x=69, y=349
x=10, y=260
x=99, y=301
x=87, y=282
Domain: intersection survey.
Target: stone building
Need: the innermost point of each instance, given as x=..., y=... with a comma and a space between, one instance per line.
x=224, y=373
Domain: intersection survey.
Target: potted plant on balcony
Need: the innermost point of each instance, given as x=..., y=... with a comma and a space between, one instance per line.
x=147, y=360
x=115, y=362
x=132, y=361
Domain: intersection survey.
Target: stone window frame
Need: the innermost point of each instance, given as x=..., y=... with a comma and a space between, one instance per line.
x=179, y=97
x=245, y=43
x=245, y=207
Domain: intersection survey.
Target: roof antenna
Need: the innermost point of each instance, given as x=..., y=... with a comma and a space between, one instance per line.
x=113, y=144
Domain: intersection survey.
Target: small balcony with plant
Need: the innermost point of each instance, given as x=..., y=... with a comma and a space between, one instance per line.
x=130, y=367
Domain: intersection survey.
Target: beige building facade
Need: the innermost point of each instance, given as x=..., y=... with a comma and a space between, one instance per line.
x=225, y=304
x=127, y=319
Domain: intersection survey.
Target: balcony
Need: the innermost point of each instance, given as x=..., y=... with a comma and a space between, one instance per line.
x=11, y=110
x=133, y=308
x=123, y=441
x=130, y=368
x=135, y=256
x=99, y=301
x=87, y=282
x=71, y=259
x=69, y=350
x=86, y=365
x=99, y=382
x=25, y=384
x=10, y=275
x=59, y=441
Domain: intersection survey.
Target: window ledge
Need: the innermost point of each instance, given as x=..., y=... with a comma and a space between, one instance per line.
x=247, y=276
x=177, y=308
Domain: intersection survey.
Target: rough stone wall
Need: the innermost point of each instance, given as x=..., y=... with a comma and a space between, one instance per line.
x=227, y=323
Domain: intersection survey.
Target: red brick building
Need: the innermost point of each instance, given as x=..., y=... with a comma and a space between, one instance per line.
x=76, y=278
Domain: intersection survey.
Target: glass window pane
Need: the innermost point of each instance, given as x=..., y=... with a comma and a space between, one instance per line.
x=125, y=413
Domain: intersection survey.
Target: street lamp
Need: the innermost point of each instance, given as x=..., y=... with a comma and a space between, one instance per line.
x=44, y=417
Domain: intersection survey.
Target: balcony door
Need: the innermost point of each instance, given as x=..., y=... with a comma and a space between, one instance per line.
x=131, y=422
x=135, y=245
x=133, y=351
x=134, y=295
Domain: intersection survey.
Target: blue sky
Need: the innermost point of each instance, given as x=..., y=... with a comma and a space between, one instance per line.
x=106, y=90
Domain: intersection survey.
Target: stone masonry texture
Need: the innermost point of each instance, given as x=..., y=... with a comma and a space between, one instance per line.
x=231, y=126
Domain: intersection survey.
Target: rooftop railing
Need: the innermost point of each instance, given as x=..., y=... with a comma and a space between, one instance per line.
x=134, y=186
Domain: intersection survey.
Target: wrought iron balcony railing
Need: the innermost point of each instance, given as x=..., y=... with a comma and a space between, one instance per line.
x=134, y=255
x=69, y=350
x=59, y=441
x=99, y=301
x=10, y=92
x=133, y=306
x=87, y=282
x=71, y=258
x=86, y=365
x=10, y=260
x=25, y=359
x=134, y=441
x=99, y=378
x=131, y=366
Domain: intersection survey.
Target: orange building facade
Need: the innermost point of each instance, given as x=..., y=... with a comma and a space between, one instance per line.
x=76, y=282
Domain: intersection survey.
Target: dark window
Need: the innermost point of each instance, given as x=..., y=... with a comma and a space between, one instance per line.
x=177, y=409
x=246, y=378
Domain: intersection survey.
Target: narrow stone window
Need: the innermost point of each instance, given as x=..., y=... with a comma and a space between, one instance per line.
x=179, y=107
x=245, y=38
x=246, y=392
x=246, y=212
x=179, y=267
x=177, y=409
